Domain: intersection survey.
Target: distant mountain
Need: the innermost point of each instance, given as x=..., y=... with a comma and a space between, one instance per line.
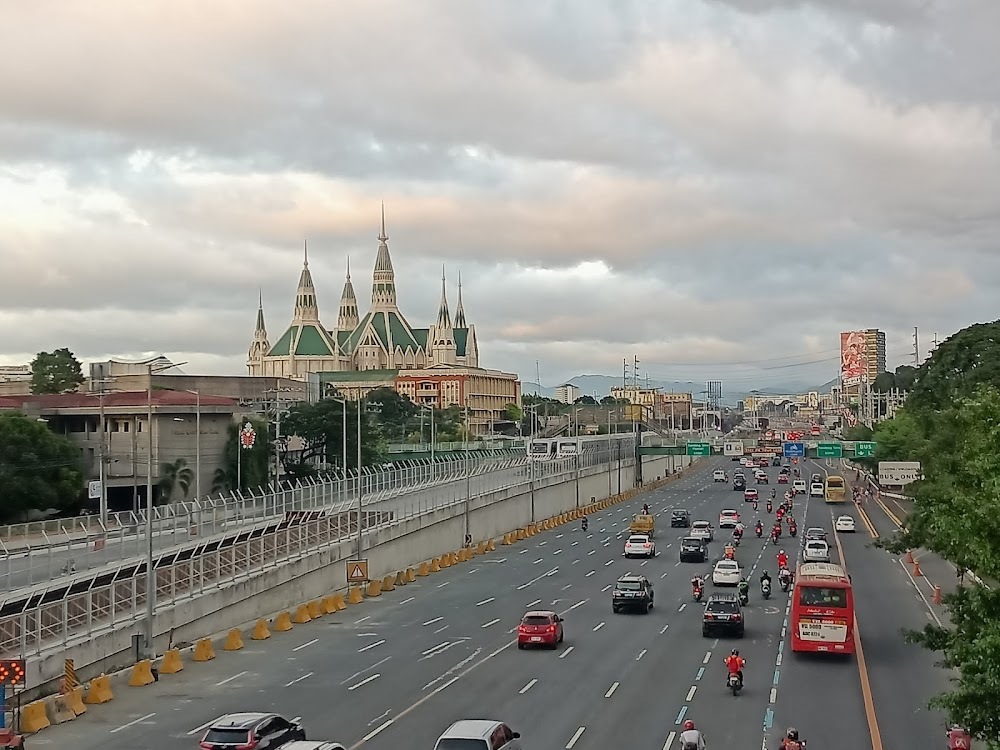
x=600, y=386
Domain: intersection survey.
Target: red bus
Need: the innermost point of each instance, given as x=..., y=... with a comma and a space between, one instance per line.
x=822, y=609
x=815, y=430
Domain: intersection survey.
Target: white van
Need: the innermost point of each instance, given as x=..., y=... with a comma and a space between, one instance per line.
x=816, y=489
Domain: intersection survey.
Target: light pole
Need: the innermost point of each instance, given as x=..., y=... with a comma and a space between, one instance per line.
x=430, y=408
x=533, y=410
x=361, y=405
x=343, y=436
x=609, y=452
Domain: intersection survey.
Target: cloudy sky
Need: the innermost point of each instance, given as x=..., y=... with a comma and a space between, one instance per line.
x=718, y=187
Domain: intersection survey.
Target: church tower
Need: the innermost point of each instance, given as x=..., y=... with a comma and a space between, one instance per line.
x=442, y=340
x=306, y=307
x=259, y=346
x=348, y=318
x=460, y=310
x=383, y=278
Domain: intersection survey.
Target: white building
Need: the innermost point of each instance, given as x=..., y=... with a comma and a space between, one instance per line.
x=567, y=393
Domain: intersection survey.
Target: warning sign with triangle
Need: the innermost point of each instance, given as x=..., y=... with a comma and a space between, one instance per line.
x=357, y=571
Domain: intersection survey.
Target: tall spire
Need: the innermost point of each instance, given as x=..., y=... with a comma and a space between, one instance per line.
x=306, y=308
x=460, y=321
x=259, y=347
x=444, y=316
x=384, y=278
x=441, y=337
x=348, y=318
x=260, y=313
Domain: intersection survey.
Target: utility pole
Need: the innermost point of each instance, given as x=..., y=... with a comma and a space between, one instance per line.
x=624, y=373
x=635, y=371
x=935, y=340
x=916, y=347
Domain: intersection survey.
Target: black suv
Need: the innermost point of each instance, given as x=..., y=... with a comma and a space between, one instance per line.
x=680, y=518
x=632, y=591
x=693, y=550
x=776, y=461
x=257, y=730
x=739, y=483
x=723, y=613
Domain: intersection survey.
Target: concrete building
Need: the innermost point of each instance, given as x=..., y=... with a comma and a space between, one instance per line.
x=382, y=339
x=874, y=345
x=636, y=395
x=125, y=447
x=674, y=408
x=567, y=393
x=15, y=380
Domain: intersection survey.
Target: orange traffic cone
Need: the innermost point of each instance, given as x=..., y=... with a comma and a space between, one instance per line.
x=937, y=594
x=909, y=556
x=916, y=569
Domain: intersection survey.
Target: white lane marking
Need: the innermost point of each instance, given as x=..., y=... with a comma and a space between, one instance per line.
x=691, y=692
x=664, y=628
x=366, y=617
x=592, y=552
x=486, y=601
x=133, y=722
x=431, y=622
x=230, y=679
x=611, y=690
x=538, y=578
x=643, y=563
x=367, y=635
x=490, y=623
x=606, y=588
x=376, y=731
x=356, y=675
x=663, y=575
x=364, y=681
x=568, y=585
x=532, y=604
x=434, y=649
x=609, y=562
x=641, y=654
x=708, y=655
x=307, y=644
x=202, y=727
x=527, y=687
x=578, y=604
x=407, y=601
x=565, y=653
x=590, y=574
x=440, y=630
x=575, y=737
x=573, y=544
x=306, y=676
x=542, y=544
x=371, y=645
x=557, y=552
x=681, y=608
x=598, y=626
x=442, y=585
x=670, y=740
x=540, y=559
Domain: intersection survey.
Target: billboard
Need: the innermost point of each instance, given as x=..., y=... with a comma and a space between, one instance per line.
x=853, y=358
x=733, y=448
x=898, y=473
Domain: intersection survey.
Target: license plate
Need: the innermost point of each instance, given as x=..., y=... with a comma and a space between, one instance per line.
x=722, y=617
x=536, y=639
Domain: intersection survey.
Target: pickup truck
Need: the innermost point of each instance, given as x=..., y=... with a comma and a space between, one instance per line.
x=641, y=525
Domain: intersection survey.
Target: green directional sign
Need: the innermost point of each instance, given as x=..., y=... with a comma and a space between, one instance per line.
x=829, y=450
x=699, y=449
x=864, y=449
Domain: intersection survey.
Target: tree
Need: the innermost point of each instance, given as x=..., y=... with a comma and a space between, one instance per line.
x=513, y=412
x=320, y=426
x=904, y=377
x=586, y=401
x=175, y=476
x=957, y=367
x=39, y=470
x=56, y=372
x=395, y=413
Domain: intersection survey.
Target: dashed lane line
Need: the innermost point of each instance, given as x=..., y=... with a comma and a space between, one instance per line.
x=527, y=687
x=576, y=736
x=611, y=690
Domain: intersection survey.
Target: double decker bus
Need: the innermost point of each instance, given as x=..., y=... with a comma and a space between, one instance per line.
x=835, y=489
x=822, y=609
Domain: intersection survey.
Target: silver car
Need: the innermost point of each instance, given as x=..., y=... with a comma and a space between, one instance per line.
x=816, y=550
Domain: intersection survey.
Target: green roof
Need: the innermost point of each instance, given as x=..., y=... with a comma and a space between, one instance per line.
x=284, y=344
x=420, y=336
x=312, y=343
x=461, y=341
x=356, y=376
x=342, y=339
x=351, y=343
x=401, y=335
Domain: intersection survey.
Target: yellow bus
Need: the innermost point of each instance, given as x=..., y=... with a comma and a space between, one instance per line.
x=835, y=490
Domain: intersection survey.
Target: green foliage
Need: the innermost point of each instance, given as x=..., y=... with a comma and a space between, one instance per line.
x=513, y=412
x=320, y=426
x=174, y=477
x=586, y=401
x=39, y=470
x=250, y=465
x=394, y=413
x=957, y=367
x=55, y=372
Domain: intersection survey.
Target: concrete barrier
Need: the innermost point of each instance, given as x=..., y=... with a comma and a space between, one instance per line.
x=315, y=610
x=33, y=718
x=260, y=631
x=75, y=699
x=302, y=615
x=59, y=711
x=423, y=570
x=234, y=640
x=374, y=589
x=387, y=584
x=491, y=546
x=171, y=663
x=355, y=595
x=203, y=650
x=142, y=674
x=99, y=691
x=409, y=576
x=435, y=566
x=400, y=579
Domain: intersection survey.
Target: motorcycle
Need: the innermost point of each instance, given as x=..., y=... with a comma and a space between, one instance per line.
x=735, y=684
x=759, y=531
x=792, y=529
x=765, y=588
x=697, y=593
x=584, y=524
x=744, y=597
x=774, y=538
x=769, y=506
x=785, y=582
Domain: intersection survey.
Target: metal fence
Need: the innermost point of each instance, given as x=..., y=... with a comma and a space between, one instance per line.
x=82, y=605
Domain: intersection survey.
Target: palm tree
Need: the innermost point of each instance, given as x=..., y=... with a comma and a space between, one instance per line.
x=222, y=481
x=175, y=476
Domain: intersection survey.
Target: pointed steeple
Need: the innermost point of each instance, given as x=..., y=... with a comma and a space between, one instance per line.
x=460, y=321
x=261, y=328
x=384, y=278
x=259, y=347
x=348, y=318
x=442, y=335
x=306, y=308
x=444, y=315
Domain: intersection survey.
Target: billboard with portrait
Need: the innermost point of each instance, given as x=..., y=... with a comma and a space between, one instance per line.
x=853, y=359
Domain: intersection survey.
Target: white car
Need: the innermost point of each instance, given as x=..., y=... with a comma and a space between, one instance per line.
x=799, y=485
x=702, y=530
x=816, y=490
x=640, y=545
x=726, y=573
x=728, y=519
x=845, y=524
x=719, y=475
x=816, y=550
x=484, y=733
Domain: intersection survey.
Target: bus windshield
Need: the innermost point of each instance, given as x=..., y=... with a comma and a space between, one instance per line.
x=835, y=483
x=828, y=598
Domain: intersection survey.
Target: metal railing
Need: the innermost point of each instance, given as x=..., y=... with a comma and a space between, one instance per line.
x=82, y=605
x=482, y=445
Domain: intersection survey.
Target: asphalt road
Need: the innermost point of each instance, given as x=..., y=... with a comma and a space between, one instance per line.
x=396, y=671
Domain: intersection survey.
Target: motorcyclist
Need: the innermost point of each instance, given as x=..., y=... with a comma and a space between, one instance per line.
x=735, y=664
x=738, y=532
x=691, y=738
x=774, y=494
x=792, y=528
x=769, y=506
x=755, y=506
x=730, y=552
x=791, y=740
x=782, y=560
x=780, y=513
x=958, y=738
x=785, y=576
x=743, y=588
x=697, y=584
x=759, y=528
x=584, y=523
x=765, y=576
x=776, y=531
x=645, y=509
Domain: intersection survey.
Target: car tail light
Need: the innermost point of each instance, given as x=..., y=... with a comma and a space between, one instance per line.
x=709, y=616
x=737, y=617
x=522, y=628
x=552, y=628
x=251, y=744
x=206, y=745
x=647, y=545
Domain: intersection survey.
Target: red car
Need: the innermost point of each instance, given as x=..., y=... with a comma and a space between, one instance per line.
x=782, y=479
x=540, y=628
x=763, y=463
x=750, y=494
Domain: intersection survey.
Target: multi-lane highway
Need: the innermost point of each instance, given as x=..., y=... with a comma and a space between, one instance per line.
x=397, y=670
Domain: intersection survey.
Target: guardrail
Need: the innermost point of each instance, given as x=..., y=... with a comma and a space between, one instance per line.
x=482, y=445
x=51, y=615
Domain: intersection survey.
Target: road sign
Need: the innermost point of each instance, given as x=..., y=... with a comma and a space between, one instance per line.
x=795, y=450
x=733, y=448
x=12, y=672
x=699, y=449
x=94, y=489
x=898, y=473
x=357, y=571
x=864, y=449
x=829, y=450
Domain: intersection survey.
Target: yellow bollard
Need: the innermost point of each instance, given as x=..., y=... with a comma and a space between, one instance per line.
x=423, y=570
x=410, y=576
x=491, y=546
x=260, y=631
x=400, y=579
x=234, y=641
x=354, y=595
x=142, y=674
x=316, y=610
x=387, y=584
x=282, y=623
x=301, y=615
x=171, y=663
x=374, y=589
x=203, y=650
x=99, y=691
x=33, y=718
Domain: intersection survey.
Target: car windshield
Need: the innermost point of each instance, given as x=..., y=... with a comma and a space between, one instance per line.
x=816, y=533
x=726, y=565
x=700, y=525
x=638, y=539
x=680, y=513
x=723, y=607
x=629, y=586
x=729, y=514
x=689, y=542
x=461, y=743
x=845, y=519
x=536, y=620
x=227, y=736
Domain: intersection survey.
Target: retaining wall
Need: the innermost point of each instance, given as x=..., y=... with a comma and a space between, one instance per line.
x=324, y=571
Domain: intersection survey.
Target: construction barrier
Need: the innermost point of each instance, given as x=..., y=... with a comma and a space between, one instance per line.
x=302, y=615
x=400, y=579
x=234, y=640
x=374, y=589
x=316, y=610
x=435, y=566
x=59, y=711
x=410, y=575
x=282, y=623
x=99, y=691
x=354, y=596
x=519, y=535
x=33, y=718
x=506, y=539
x=260, y=631
x=481, y=548
x=445, y=561
x=329, y=604
x=491, y=546
x=423, y=570
x=75, y=700
x=454, y=558
x=171, y=663
x=204, y=650
x=142, y=674
x=463, y=555
x=387, y=584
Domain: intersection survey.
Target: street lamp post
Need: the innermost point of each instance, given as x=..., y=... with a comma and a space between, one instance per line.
x=343, y=435
x=531, y=462
x=430, y=408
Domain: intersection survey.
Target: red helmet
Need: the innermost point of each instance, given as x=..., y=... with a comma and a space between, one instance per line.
x=688, y=725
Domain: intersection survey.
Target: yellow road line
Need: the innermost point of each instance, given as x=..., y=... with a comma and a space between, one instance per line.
x=892, y=516
x=868, y=523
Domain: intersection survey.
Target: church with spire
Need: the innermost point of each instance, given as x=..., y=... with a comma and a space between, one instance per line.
x=380, y=340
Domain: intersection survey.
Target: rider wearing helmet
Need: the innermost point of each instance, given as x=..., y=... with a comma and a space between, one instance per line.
x=782, y=560
x=765, y=576
x=958, y=738
x=735, y=664
x=791, y=740
x=691, y=738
